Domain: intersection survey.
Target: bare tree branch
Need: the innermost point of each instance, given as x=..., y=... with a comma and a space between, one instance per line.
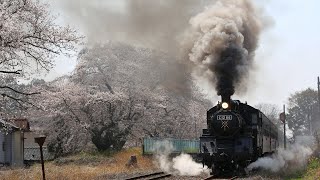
x=19, y=92
x=20, y=101
x=11, y=72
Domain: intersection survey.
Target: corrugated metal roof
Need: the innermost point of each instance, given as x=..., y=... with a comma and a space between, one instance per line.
x=29, y=139
x=22, y=123
x=33, y=153
x=6, y=123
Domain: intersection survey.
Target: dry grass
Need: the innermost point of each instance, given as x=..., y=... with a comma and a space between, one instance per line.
x=86, y=171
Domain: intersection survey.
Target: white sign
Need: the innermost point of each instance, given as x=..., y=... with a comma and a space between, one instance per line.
x=224, y=117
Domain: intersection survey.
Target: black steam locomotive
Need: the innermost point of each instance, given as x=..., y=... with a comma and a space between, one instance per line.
x=236, y=135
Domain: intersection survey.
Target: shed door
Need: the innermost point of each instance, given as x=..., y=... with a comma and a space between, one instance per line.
x=8, y=148
x=2, y=152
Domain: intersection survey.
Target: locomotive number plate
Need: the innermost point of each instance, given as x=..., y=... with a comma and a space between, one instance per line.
x=224, y=117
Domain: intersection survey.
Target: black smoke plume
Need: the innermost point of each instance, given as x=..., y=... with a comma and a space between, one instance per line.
x=224, y=39
x=226, y=70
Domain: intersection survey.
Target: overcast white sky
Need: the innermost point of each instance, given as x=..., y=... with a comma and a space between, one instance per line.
x=290, y=50
x=288, y=54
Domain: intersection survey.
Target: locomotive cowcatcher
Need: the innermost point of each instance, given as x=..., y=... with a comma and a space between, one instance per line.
x=236, y=135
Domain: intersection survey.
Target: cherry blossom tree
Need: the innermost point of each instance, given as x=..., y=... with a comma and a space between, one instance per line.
x=115, y=97
x=79, y=115
x=148, y=75
x=29, y=41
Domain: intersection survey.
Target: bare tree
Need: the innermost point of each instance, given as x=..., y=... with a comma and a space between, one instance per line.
x=272, y=111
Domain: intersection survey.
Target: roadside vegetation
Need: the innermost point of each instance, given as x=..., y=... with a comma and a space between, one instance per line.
x=313, y=170
x=310, y=173
x=106, y=165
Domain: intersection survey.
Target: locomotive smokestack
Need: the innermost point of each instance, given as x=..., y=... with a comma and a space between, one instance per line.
x=225, y=98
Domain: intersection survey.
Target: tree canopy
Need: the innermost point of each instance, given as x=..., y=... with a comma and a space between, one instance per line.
x=303, y=112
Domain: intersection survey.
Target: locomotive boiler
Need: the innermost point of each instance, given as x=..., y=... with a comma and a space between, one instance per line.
x=236, y=135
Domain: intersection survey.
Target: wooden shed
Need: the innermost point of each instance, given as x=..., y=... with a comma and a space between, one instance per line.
x=11, y=143
x=32, y=150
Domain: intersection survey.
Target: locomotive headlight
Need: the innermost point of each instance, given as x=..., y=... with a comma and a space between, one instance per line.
x=225, y=105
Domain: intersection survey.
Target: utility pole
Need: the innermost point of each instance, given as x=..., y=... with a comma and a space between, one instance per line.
x=310, y=119
x=283, y=119
x=318, y=97
x=284, y=127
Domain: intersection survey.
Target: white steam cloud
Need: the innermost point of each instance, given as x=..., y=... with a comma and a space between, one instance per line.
x=182, y=165
x=293, y=158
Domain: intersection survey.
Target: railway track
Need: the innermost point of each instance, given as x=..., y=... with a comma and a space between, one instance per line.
x=214, y=177
x=151, y=176
x=162, y=175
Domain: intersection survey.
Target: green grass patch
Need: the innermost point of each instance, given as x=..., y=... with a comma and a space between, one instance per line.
x=314, y=163
x=298, y=175
x=313, y=170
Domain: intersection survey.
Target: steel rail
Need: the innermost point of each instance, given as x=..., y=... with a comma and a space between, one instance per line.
x=147, y=176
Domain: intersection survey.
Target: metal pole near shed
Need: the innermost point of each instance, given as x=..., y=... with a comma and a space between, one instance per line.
x=40, y=140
